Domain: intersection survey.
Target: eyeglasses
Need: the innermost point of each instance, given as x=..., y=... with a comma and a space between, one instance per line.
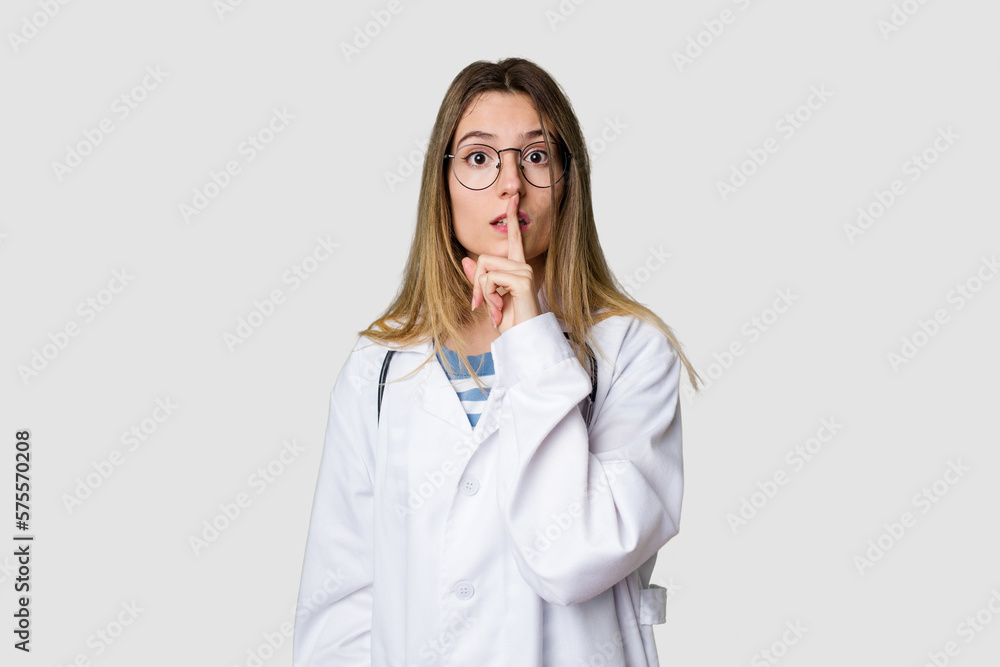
x=477, y=166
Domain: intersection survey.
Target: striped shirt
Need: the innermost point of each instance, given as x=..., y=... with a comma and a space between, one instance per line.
x=473, y=398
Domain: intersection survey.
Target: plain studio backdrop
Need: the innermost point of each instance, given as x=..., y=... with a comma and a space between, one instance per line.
x=204, y=202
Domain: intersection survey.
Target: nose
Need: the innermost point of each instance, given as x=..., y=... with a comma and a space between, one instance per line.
x=510, y=180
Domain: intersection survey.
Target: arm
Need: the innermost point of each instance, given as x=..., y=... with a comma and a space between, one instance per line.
x=582, y=512
x=333, y=617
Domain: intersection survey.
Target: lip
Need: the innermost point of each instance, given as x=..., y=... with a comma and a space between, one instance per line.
x=521, y=214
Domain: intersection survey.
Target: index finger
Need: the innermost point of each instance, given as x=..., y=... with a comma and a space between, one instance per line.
x=515, y=248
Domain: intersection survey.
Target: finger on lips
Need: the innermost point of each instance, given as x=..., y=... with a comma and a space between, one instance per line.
x=515, y=250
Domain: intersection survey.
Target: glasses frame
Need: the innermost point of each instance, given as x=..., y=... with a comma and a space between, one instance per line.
x=568, y=157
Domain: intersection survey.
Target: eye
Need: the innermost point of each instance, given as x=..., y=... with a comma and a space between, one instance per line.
x=476, y=158
x=536, y=157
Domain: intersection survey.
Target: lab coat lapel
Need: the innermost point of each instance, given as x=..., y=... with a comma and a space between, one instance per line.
x=437, y=396
x=434, y=392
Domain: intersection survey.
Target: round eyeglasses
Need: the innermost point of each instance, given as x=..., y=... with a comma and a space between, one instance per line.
x=477, y=166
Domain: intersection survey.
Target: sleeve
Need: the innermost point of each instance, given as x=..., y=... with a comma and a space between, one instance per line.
x=334, y=610
x=581, y=510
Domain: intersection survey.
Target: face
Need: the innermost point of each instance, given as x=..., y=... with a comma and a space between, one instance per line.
x=510, y=119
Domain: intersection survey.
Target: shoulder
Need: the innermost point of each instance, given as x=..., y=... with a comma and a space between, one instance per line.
x=360, y=371
x=368, y=356
x=632, y=339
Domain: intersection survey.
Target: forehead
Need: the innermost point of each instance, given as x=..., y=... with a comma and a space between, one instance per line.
x=504, y=117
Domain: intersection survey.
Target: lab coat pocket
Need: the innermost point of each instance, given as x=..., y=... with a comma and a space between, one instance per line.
x=652, y=605
x=652, y=611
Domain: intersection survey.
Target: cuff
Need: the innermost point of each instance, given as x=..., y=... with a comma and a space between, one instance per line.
x=528, y=348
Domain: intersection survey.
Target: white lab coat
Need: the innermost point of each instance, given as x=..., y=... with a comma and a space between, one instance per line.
x=527, y=541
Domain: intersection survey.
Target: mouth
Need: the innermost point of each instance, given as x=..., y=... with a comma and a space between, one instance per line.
x=501, y=220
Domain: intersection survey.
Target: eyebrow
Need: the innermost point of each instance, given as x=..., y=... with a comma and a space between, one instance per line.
x=479, y=134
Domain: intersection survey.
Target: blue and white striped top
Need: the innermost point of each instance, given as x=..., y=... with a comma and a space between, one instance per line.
x=473, y=398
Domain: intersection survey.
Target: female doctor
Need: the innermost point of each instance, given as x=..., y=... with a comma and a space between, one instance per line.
x=519, y=529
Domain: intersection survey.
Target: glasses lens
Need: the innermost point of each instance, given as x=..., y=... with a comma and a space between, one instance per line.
x=476, y=165
x=542, y=167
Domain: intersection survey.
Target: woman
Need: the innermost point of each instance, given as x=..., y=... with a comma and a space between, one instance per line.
x=516, y=524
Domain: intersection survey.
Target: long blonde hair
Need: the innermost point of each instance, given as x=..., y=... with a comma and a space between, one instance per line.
x=433, y=300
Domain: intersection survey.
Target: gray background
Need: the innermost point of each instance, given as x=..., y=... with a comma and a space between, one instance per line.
x=681, y=130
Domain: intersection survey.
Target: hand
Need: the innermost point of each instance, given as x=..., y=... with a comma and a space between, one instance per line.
x=505, y=285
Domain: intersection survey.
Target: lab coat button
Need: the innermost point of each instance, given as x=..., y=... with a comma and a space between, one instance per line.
x=469, y=485
x=464, y=590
